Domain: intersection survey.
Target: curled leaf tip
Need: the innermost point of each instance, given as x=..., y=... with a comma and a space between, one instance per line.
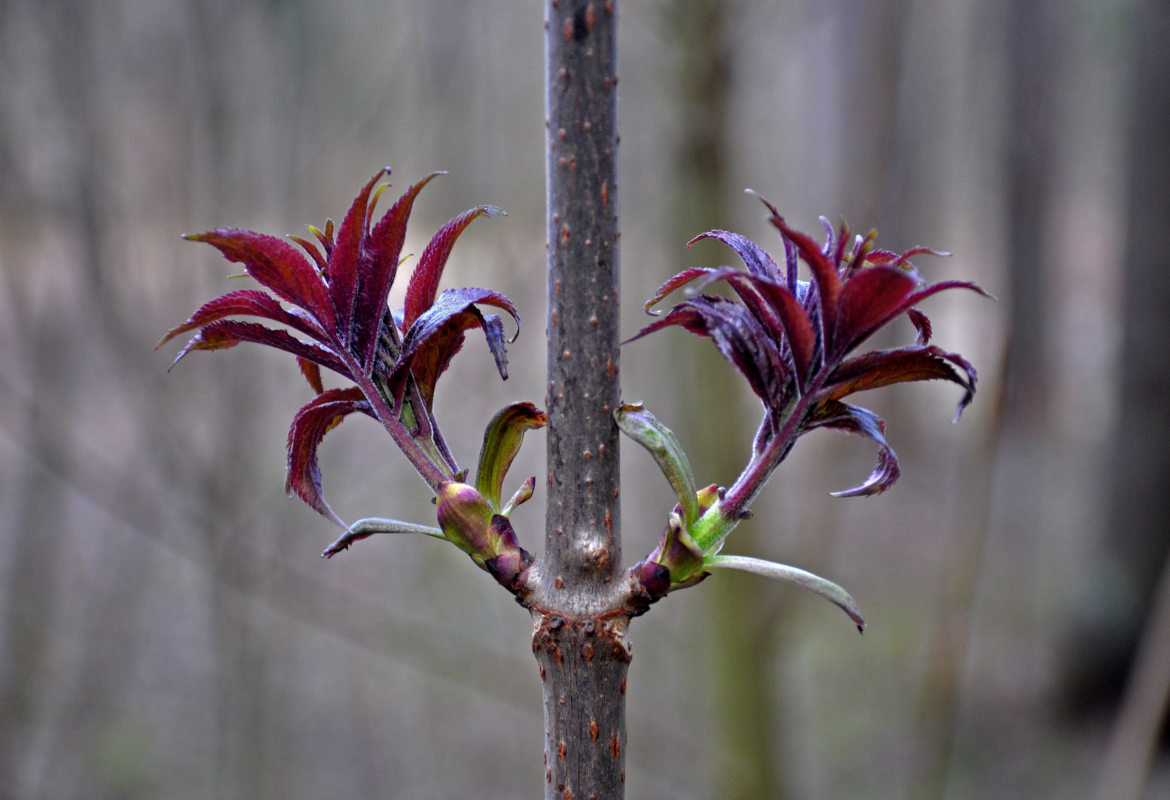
x=644, y=428
x=799, y=577
x=501, y=442
x=364, y=528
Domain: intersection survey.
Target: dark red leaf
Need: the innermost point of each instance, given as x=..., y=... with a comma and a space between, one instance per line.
x=921, y=324
x=319, y=416
x=884, y=367
x=312, y=251
x=277, y=265
x=682, y=315
x=869, y=299
x=228, y=333
x=863, y=422
x=824, y=272
x=892, y=259
x=424, y=283
x=935, y=288
x=377, y=269
x=342, y=268
x=250, y=303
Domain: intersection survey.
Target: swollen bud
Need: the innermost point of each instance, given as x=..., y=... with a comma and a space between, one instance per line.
x=465, y=519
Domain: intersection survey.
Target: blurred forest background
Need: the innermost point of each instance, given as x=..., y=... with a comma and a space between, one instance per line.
x=167, y=629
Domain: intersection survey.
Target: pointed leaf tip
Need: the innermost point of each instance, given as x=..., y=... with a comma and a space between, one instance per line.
x=309, y=426
x=799, y=577
x=364, y=528
x=424, y=283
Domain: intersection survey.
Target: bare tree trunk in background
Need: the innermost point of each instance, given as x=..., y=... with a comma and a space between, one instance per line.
x=741, y=628
x=1031, y=27
x=1139, y=507
x=580, y=631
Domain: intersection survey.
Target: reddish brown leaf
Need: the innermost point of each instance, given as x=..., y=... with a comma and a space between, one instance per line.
x=342, y=268
x=278, y=266
x=249, y=303
x=309, y=426
x=921, y=324
x=802, y=338
x=377, y=269
x=228, y=333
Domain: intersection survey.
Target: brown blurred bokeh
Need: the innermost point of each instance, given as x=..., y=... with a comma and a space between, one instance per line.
x=167, y=628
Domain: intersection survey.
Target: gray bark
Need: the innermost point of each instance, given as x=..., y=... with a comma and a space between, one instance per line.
x=578, y=599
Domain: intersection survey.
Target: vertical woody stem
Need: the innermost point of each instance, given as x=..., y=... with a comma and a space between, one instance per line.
x=580, y=637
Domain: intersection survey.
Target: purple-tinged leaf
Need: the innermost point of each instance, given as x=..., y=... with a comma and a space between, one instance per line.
x=342, y=268
x=801, y=336
x=906, y=305
x=885, y=367
x=424, y=283
x=436, y=336
x=229, y=332
x=837, y=254
x=792, y=267
x=377, y=270
x=745, y=286
x=277, y=265
x=758, y=261
x=869, y=299
x=863, y=422
x=501, y=442
x=319, y=416
x=739, y=339
x=249, y=303
x=824, y=272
